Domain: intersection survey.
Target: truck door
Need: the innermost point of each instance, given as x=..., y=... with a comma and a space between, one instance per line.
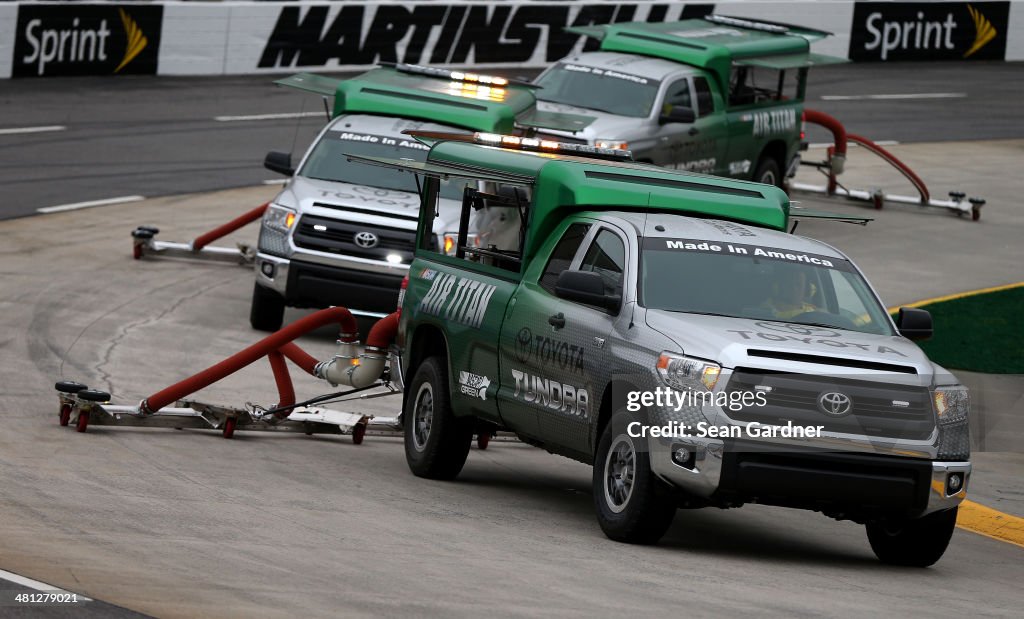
x=552, y=348
x=698, y=146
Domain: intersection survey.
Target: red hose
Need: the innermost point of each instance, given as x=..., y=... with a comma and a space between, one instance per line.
x=239, y=360
x=205, y=239
x=896, y=163
x=383, y=331
x=285, y=390
x=833, y=125
x=305, y=361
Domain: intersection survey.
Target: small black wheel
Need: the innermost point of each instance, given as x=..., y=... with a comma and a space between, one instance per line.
x=768, y=172
x=919, y=542
x=436, y=441
x=632, y=504
x=69, y=386
x=83, y=421
x=229, y=426
x=94, y=395
x=359, y=433
x=267, y=310
x=65, y=414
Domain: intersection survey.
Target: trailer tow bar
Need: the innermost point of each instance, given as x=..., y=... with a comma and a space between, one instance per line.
x=834, y=163
x=354, y=365
x=144, y=242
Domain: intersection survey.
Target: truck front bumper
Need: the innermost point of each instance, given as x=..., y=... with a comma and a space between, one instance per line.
x=858, y=486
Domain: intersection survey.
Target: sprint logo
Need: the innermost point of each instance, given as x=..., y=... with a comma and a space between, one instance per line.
x=86, y=40
x=984, y=31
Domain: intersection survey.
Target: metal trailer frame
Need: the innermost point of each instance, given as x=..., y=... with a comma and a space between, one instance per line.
x=144, y=242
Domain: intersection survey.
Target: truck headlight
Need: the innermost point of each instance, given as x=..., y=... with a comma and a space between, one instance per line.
x=952, y=408
x=613, y=144
x=688, y=373
x=951, y=404
x=279, y=218
x=451, y=239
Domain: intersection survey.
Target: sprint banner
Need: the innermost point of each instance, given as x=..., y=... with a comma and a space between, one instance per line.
x=72, y=39
x=929, y=31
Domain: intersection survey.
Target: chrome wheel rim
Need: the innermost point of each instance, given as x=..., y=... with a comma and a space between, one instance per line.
x=619, y=473
x=423, y=416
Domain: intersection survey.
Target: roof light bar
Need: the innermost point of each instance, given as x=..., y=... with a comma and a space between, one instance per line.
x=746, y=23
x=550, y=146
x=457, y=76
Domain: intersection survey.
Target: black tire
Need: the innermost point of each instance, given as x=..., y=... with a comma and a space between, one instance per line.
x=267, y=311
x=647, y=509
x=917, y=543
x=768, y=172
x=436, y=441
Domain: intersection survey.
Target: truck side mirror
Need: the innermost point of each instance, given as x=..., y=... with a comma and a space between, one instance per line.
x=914, y=324
x=677, y=114
x=585, y=287
x=279, y=162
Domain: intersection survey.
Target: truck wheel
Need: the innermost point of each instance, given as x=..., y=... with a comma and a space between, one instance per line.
x=918, y=543
x=267, y=311
x=632, y=504
x=767, y=172
x=436, y=441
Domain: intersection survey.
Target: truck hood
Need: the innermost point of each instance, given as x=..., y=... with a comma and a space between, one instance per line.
x=604, y=125
x=331, y=198
x=791, y=347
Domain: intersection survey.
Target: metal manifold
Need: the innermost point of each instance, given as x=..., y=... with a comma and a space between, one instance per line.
x=144, y=242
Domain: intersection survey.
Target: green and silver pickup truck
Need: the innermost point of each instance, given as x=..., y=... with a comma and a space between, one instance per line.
x=665, y=328
x=718, y=95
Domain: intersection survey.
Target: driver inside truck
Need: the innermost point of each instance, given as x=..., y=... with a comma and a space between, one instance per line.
x=790, y=294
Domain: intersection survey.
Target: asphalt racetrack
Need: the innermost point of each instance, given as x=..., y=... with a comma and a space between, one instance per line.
x=184, y=523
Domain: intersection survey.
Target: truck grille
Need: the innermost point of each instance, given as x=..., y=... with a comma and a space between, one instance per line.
x=559, y=138
x=876, y=409
x=339, y=237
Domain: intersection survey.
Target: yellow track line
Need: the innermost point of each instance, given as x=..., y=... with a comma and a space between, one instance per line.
x=986, y=521
x=957, y=295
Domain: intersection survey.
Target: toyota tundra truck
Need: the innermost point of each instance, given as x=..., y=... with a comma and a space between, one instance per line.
x=665, y=328
x=718, y=95
x=341, y=233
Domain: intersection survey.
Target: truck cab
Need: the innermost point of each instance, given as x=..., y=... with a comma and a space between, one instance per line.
x=665, y=328
x=718, y=95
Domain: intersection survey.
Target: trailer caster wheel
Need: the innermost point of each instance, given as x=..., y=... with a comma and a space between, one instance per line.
x=229, y=427
x=358, y=433
x=975, y=214
x=65, y=414
x=483, y=440
x=83, y=421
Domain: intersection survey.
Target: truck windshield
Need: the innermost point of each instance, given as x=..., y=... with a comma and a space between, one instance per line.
x=604, y=90
x=328, y=162
x=758, y=283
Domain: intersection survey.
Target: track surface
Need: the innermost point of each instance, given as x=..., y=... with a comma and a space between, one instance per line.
x=157, y=136
x=181, y=524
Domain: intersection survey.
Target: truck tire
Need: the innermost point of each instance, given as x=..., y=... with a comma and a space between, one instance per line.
x=436, y=441
x=267, y=311
x=918, y=543
x=768, y=172
x=632, y=504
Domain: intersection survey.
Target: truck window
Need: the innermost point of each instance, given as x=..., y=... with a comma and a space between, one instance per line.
x=705, y=101
x=677, y=95
x=607, y=257
x=562, y=255
x=749, y=85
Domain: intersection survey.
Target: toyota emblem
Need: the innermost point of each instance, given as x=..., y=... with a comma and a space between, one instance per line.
x=835, y=404
x=366, y=240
